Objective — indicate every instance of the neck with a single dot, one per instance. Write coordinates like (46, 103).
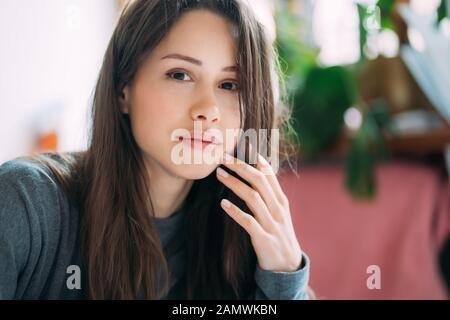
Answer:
(168, 192)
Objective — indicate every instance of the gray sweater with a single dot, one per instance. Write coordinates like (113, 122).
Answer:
(39, 243)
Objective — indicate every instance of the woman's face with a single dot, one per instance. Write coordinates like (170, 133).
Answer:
(189, 81)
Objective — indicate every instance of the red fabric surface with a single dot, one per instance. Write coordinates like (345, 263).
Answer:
(401, 231)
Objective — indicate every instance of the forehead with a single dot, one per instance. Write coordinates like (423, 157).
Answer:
(202, 34)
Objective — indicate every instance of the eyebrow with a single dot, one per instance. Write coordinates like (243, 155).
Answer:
(196, 62)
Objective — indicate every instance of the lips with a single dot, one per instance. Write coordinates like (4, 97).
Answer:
(202, 137)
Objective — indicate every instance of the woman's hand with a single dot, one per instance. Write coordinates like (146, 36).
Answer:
(271, 230)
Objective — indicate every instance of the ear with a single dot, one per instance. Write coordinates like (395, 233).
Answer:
(124, 100)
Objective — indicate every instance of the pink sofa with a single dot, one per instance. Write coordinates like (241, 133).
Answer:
(401, 231)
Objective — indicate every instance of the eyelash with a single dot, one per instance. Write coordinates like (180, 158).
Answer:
(169, 75)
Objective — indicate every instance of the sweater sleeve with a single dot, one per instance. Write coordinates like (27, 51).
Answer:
(28, 228)
(273, 285)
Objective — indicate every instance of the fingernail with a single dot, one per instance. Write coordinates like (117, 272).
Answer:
(222, 172)
(226, 203)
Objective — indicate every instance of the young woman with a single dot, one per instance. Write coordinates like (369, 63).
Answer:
(123, 220)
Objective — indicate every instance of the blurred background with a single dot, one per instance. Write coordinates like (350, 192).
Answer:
(369, 87)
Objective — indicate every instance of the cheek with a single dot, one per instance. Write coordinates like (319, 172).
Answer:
(231, 125)
(157, 99)
(230, 112)
(231, 120)
(152, 115)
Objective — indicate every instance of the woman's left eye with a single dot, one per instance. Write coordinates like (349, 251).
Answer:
(232, 86)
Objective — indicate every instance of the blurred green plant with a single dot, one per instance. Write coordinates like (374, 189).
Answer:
(320, 106)
(366, 149)
(321, 95)
(296, 57)
(442, 12)
(374, 18)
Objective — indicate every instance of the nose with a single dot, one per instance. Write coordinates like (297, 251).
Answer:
(206, 110)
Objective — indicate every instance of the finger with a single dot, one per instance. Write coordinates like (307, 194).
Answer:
(256, 179)
(249, 195)
(264, 166)
(245, 220)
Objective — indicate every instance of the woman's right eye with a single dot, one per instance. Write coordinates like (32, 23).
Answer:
(178, 75)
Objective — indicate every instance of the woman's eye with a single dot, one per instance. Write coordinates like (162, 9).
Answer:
(230, 86)
(178, 75)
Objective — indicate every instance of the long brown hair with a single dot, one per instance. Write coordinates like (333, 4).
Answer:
(108, 184)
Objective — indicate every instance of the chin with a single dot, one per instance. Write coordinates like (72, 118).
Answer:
(194, 171)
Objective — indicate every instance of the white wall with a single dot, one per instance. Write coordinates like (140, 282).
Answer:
(50, 56)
